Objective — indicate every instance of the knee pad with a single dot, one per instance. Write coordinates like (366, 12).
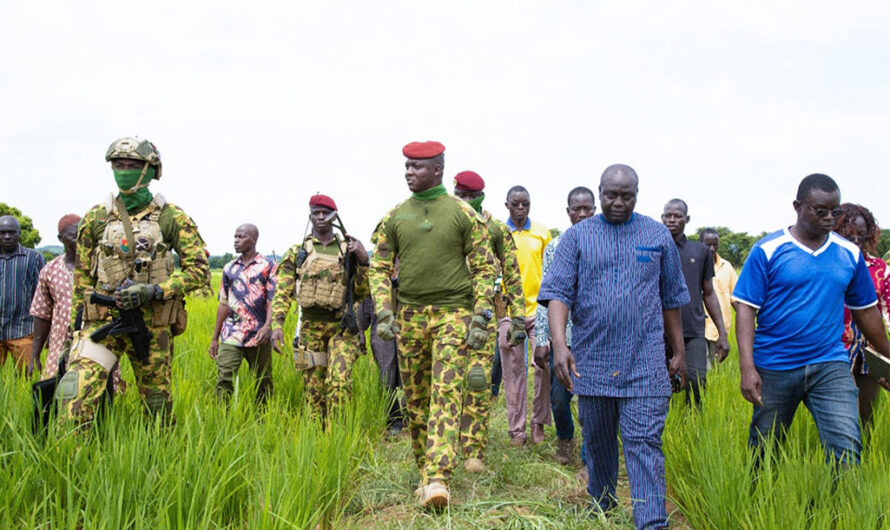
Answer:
(476, 379)
(68, 385)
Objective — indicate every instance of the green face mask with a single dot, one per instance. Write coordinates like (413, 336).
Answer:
(126, 179)
(477, 203)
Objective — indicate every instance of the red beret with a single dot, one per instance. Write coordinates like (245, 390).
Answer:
(68, 220)
(423, 150)
(323, 200)
(469, 181)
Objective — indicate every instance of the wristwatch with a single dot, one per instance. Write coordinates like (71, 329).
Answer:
(159, 293)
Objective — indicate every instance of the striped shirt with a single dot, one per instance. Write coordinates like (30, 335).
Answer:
(617, 279)
(18, 281)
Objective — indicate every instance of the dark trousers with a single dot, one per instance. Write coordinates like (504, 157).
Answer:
(228, 361)
(641, 420)
(497, 373)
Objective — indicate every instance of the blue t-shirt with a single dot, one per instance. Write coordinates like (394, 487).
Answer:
(800, 296)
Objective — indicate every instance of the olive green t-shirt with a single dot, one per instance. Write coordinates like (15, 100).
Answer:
(432, 239)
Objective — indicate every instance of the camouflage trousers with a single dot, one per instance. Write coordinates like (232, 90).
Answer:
(81, 389)
(432, 359)
(477, 403)
(327, 386)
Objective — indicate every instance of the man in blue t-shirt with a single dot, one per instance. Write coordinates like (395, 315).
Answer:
(796, 282)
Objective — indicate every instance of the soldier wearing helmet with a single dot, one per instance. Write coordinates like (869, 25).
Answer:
(125, 250)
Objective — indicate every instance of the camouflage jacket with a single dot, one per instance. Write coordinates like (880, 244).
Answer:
(287, 277)
(508, 265)
(180, 233)
(444, 253)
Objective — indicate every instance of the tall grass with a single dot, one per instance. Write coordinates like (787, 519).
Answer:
(712, 477)
(217, 467)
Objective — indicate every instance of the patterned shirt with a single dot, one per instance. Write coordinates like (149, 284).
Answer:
(617, 279)
(52, 302)
(542, 324)
(247, 290)
(854, 340)
(18, 281)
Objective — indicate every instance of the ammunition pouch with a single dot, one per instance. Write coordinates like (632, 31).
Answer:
(165, 313)
(322, 282)
(306, 359)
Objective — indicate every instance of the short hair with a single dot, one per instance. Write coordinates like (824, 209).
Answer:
(517, 189)
(678, 201)
(816, 181)
(844, 225)
(580, 190)
(706, 231)
(439, 159)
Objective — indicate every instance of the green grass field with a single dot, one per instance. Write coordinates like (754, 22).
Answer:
(240, 468)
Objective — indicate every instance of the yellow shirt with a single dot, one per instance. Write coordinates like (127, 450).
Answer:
(531, 240)
(725, 277)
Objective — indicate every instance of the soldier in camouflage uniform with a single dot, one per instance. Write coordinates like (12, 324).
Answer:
(469, 186)
(444, 300)
(313, 272)
(125, 250)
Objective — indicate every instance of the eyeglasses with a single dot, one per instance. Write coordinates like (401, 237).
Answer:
(823, 212)
(519, 204)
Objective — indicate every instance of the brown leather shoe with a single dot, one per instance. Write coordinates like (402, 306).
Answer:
(564, 450)
(517, 441)
(537, 433)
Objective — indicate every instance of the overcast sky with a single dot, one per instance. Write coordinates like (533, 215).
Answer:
(256, 106)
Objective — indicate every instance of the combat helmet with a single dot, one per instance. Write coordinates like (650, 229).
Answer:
(137, 149)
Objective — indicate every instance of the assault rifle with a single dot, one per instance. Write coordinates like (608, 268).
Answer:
(128, 321)
(348, 321)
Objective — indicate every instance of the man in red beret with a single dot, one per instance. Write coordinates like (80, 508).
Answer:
(508, 302)
(442, 311)
(314, 273)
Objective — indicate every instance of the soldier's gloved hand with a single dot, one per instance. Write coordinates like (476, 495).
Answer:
(477, 333)
(516, 332)
(137, 294)
(387, 327)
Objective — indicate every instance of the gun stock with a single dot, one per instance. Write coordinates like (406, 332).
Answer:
(128, 321)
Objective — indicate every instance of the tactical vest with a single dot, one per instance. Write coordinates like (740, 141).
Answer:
(146, 259)
(322, 279)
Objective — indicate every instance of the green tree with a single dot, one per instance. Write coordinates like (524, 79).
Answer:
(554, 233)
(883, 242)
(734, 246)
(30, 236)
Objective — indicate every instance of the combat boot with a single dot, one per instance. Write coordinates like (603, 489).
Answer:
(474, 465)
(434, 495)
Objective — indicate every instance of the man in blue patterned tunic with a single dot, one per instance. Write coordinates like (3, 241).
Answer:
(619, 274)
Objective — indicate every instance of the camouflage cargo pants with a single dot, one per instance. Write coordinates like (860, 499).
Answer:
(327, 386)
(477, 403)
(432, 359)
(81, 389)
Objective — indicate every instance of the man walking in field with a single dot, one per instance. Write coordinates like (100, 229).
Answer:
(125, 251)
(531, 239)
(51, 306)
(580, 206)
(619, 274)
(796, 282)
(19, 269)
(443, 310)
(698, 271)
(244, 316)
(509, 303)
(314, 273)
(725, 278)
